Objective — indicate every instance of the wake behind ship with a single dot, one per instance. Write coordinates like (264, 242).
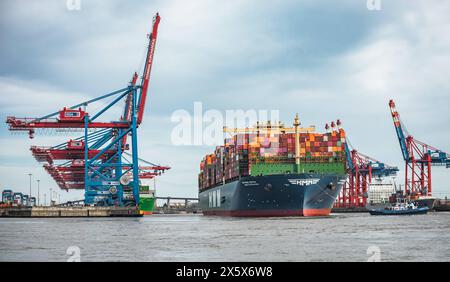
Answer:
(271, 170)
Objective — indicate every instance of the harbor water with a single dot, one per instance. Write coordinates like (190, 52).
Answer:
(339, 237)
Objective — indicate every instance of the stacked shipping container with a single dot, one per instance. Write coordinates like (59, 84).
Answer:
(272, 153)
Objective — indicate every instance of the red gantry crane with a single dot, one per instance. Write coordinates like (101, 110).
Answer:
(419, 158)
(360, 169)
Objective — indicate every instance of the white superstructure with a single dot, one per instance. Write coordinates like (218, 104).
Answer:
(380, 191)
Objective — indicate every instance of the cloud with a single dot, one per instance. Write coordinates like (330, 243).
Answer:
(24, 97)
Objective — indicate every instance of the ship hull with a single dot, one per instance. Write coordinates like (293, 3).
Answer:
(146, 204)
(422, 210)
(273, 195)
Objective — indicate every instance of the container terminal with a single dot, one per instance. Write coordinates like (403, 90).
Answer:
(104, 162)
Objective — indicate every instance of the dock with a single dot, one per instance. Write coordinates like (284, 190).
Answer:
(70, 212)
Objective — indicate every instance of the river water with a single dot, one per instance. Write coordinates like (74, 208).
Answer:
(340, 237)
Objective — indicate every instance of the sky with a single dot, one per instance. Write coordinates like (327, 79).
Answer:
(323, 59)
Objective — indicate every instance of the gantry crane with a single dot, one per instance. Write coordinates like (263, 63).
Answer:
(418, 157)
(95, 161)
(360, 169)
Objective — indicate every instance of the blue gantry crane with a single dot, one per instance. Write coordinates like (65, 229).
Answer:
(95, 161)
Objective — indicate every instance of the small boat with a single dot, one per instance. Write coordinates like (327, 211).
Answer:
(400, 209)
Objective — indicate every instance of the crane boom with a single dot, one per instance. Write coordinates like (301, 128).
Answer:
(148, 68)
(399, 130)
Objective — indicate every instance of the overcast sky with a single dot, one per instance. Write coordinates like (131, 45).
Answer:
(323, 59)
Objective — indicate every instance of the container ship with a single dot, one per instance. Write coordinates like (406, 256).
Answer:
(147, 199)
(272, 170)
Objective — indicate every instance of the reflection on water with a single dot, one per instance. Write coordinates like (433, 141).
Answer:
(341, 237)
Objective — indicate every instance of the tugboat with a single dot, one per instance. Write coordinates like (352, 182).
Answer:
(400, 208)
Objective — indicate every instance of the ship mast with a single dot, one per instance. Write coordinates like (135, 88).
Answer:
(297, 142)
